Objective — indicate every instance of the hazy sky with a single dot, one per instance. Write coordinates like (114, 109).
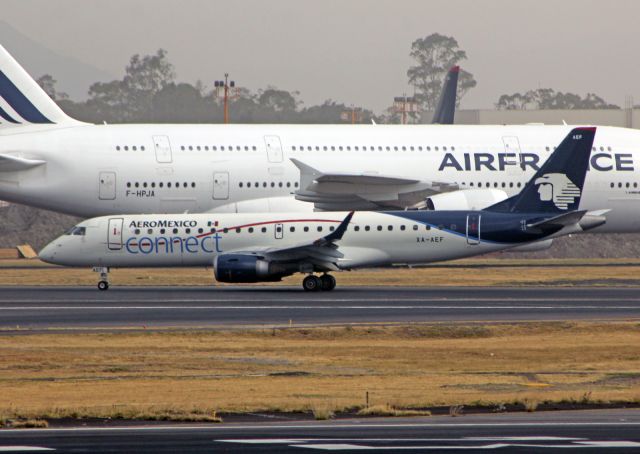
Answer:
(353, 51)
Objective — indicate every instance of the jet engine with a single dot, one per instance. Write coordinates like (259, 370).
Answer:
(249, 268)
(466, 199)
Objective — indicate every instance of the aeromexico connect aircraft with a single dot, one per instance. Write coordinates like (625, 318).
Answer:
(51, 161)
(267, 246)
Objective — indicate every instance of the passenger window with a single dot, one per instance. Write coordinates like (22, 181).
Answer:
(187, 231)
(367, 228)
(319, 228)
(136, 231)
(356, 228)
(264, 230)
(250, 229)
(292, 229)
(390, 228)
(379, 228)
(306, 229)
(175, 231)
(415, 227)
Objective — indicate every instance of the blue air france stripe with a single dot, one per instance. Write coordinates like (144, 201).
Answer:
(6, 116)
(19, 102)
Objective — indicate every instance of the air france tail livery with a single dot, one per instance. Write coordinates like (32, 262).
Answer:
(267, 247)
(51, 161)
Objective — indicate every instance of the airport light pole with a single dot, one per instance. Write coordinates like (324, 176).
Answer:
(405, 105)
(226, 89)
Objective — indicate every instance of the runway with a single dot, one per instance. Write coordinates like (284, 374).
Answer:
(149, 307)
(601, 431)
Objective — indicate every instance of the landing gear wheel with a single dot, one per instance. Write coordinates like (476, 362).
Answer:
(328, 282)
(311, 283)
(103, 285)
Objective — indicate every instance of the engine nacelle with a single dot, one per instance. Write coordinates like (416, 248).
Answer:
(466, 199)
(532, 247)
(235, 268)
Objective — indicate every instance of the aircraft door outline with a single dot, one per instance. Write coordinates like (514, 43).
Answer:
(107, 186)
(514, 165)
(162, 146)
(278, 231)
(221, 185)
(114, 234)
(473, 229)
(274, 148)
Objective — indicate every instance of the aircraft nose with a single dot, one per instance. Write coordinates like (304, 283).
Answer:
(48, 254)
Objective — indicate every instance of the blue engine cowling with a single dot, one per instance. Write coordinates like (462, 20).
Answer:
(235, 268)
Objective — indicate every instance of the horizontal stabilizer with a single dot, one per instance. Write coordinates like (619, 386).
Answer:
(338, 190)
(349, 178)
(561, 220)
(10, 163)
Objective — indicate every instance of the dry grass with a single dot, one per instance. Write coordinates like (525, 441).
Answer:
(189, 375)
(28, 424)
(388, 410)
(469, 272)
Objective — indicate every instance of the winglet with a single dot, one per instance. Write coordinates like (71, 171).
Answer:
(338, 232)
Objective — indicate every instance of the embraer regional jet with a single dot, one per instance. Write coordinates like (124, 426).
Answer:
(267, 247)
(51, 161)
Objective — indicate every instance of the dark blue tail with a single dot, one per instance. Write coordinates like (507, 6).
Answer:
(446, 107)
(557, 186)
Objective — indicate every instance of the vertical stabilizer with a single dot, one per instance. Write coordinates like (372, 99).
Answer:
(22, 101)
(557, 186)
(446, 107)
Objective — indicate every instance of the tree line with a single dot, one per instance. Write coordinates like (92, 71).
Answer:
(149, 93)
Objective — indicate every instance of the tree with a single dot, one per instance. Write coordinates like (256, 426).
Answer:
(548, 98)
(434, 56)
(278, 100)
(48, 84)
(131, 98)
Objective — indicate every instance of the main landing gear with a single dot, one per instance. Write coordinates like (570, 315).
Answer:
(104, 277)
(313, 283)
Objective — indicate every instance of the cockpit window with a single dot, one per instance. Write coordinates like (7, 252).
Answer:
(78, 231)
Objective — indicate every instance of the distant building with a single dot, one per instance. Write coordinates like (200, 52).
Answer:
(626, 118)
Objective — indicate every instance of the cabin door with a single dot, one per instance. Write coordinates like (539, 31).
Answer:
(279, 231)
(163, 149)
(274, 148)
(512, 160)
(221, 185)
(107, 186)
(114, 236)
(473, 229)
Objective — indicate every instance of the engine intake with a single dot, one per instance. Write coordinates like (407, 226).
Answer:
(238, 268)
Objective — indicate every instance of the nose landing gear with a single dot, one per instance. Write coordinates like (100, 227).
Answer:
(104, 277)
(313, 283)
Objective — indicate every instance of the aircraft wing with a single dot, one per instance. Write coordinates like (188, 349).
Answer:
(9, 163)
(335, 191)
(323, 252)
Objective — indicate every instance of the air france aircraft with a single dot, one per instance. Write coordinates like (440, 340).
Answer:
(267, 247)
(51, 161)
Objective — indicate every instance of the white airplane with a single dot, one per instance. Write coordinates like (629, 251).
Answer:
(51, 161)
(267, 247)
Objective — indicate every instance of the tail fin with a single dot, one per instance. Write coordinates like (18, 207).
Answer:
(446, 109)
(557, 186)
(22, 101)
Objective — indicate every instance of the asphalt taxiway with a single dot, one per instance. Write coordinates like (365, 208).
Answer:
(77, 307)
(609, 431)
